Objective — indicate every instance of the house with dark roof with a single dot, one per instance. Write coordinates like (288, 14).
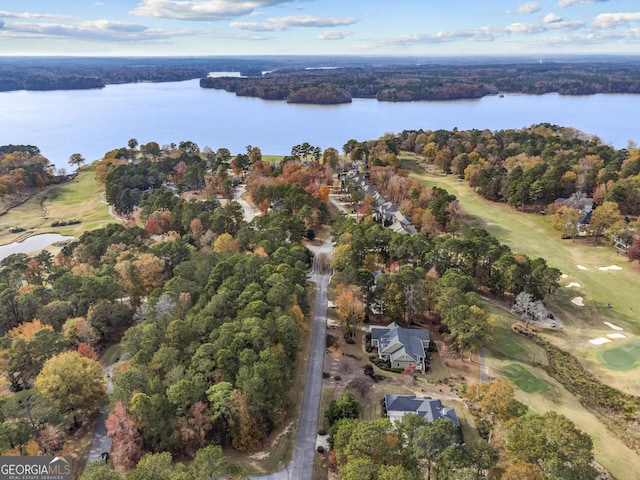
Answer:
(398, 406)
(401, 346)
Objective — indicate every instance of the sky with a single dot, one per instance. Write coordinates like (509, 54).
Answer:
(318, 27)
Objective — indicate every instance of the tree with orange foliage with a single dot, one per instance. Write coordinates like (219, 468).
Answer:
(126, 450)
(522, 471)
(349, 308)
(323, 193)
(85, 350)
(27, 330)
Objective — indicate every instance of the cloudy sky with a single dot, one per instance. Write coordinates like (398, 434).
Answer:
(280, 27)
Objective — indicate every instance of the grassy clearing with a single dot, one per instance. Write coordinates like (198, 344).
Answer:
(81, 198)
(529, 375)
(507, 344)
(110, 354)
(523, 378)
(272, 158)
(623, 357)
(612, 453)
(582, 264)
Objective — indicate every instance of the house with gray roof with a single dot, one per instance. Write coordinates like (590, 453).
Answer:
(398, 406)
(401, 346)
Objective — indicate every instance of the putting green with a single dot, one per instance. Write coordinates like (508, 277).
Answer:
(523, 378)
(622, 357)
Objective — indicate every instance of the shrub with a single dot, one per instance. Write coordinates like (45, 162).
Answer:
(326, 374)
(337, 378)
(320, 449)
(322, 431)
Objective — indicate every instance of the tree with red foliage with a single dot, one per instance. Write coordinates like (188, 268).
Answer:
(85, 350)
(409, 369)
(633, 252)
(152, 227)
(126, 450)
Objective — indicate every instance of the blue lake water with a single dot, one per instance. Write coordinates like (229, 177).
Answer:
(92, 122)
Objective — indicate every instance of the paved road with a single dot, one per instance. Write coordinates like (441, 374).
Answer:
(101, 443)
(301, 467)
(248, 211)
(484, 371)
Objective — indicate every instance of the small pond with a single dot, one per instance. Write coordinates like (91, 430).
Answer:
(32, 244)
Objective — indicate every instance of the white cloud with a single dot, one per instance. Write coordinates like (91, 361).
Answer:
(609, 20)
(578, 42)
(486, 33)
(529, 7)
(311, 21)
(278, 24)
(258, 27)
(334, 35)
(32, 16)
(552, 18)
(98, 30)
(201, 9)
(570, 3)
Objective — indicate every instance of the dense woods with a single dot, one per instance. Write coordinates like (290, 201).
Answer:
(209, 318)
(590, 188)
(209, 310)
(432, 81)
(51, 73)
(23, 169)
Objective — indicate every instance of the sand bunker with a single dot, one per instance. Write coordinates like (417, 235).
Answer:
(599, 340)
(573, 284)
(611, 267)
(578, 301)
(612, 326)
(582, 267)
(616, 335)
(564, 275)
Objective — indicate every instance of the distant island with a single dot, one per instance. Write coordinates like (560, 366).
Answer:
(408, 83)
(335, 80)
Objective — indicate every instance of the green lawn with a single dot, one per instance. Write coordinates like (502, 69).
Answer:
(582, 265)
(623, 357)
(82, 198)
(524, 379)
(533, 235)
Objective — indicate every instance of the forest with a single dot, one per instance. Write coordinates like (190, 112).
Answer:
(544, 169)
(210, 310)
(432, 81)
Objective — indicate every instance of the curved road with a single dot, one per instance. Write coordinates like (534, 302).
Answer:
(246, 208)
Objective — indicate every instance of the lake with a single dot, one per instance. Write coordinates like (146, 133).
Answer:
(32, 244)
(92, 122)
